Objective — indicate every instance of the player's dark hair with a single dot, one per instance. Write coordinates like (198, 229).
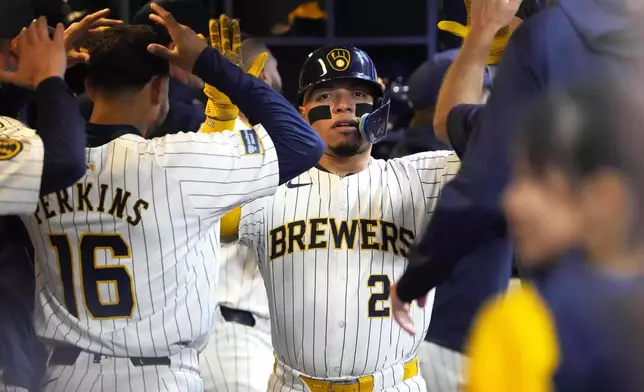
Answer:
(120, 61)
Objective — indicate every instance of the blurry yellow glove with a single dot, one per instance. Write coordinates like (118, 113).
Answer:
(498, 44)
(513, 345)
(225, 36)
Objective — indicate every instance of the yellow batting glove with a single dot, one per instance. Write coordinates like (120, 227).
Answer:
(498, 44)
(225, 36)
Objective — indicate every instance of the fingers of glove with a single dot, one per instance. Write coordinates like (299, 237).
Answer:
(258, 63)
(224, 31)
(454, 27)
(215, 39)
(236, 38)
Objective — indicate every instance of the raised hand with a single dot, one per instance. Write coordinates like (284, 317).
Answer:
(77, 34)
(187, 44)
(39, 57)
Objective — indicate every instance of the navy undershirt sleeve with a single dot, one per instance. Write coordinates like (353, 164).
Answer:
(62, 130)
(461, 121)
(297, 145)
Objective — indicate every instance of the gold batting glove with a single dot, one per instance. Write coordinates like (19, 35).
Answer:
(225, 36)
(498, 44)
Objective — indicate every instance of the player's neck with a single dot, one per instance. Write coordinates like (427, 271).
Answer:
(117, 113)
(343, 166)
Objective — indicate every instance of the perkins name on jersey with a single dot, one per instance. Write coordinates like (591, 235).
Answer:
(311, 234)
(89, 197)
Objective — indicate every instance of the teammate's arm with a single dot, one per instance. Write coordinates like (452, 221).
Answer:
(469, 207)
(221, 170)
(297, 145)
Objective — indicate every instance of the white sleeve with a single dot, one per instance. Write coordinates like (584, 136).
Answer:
(21, 164)
(435, 169)
(218, 171)
(252, 226)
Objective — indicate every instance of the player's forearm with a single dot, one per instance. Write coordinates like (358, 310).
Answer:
(297, 145)
(62, 131)
(463, 82)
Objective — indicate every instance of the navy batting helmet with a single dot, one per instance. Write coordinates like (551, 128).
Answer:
(337, 62)
(346, 62)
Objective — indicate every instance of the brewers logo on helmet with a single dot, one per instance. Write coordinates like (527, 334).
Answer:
(346, 62)
(339, 59)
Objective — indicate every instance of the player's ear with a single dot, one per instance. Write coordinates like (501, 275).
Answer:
(90, 90)
(302, 111)
(158, 89)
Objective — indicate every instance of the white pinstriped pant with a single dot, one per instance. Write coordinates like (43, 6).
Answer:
(119, 374)
(443, 369)
(286, 379)
(238, 358)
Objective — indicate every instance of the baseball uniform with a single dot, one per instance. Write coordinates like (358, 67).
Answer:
(126, 257)
(329, 249)
(239, 354)
(21, 163)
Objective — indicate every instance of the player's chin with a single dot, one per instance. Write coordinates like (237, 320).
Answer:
(347, 148)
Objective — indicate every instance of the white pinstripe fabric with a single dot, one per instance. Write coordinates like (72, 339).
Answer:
(238, 358)
(20, 174)
(443, 369)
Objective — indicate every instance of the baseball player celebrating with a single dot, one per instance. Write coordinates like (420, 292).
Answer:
(127, 257)
(239, 356)
(331, 242)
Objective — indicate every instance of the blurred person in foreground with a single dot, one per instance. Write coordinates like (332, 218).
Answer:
(577, 186)
(239, 354)
(571, 41)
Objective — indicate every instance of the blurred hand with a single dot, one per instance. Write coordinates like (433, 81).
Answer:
(402, 311)
(39, 57)
(78, 33)
(187, 44)
(492, 15)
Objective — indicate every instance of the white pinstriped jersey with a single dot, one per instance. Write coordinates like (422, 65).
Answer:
(329, 250)
(240, 282)
(21, 164)
(126, 258)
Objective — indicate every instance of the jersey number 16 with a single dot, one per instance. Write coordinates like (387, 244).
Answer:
(92, 275)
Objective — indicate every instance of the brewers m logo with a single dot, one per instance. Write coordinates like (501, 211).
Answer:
(9, 148)
(339, 59)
